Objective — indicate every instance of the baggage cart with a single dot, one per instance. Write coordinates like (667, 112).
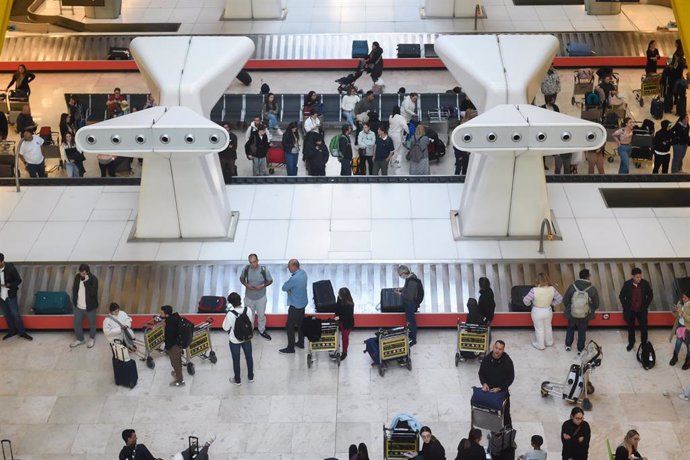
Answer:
(583, 83)
(154, 340)
(329, 341)
(650, 85)
(200, 346)
(394, 344)
(577, 386)
(275, 157)
(472, 338)
(486, 418)
(642, 150)
(398, 441)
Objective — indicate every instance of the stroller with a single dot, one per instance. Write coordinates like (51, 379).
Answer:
(346, 82)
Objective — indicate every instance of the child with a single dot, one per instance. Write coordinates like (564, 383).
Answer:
(536, 453)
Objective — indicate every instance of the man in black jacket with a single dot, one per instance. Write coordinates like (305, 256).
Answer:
(132, 450)
(172, 326)
(345, 149)
(9, 286)
(228, 157)
(496, 373)
(635, 296)
(85, 300)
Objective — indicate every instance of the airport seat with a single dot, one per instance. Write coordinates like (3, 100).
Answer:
(290, 108)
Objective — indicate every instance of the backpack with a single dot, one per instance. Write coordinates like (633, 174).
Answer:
(646, 355)
(245, 273)
(265, 89)
(243, 329)
(419, 297)
(580, 303)
(592, 99)
(185, 332)
(334, 146)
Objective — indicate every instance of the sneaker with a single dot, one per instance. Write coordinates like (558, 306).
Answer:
(26, 336)
(76, 343)
(286, 351)
(177, 383)
(567, 348)
(9, 335)
(91, 342)
(279, 131)
(684, 397)
(343, 356)
(236, 382)
(413, 343)
(211, 438)
(630, 346)
(300, 345)
(265, 335)
(251, 379)
(333, 355)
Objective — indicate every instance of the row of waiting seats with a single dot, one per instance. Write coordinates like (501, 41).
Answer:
(242, 108)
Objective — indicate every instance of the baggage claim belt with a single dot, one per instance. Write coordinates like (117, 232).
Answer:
(154, 337)
(200, 343)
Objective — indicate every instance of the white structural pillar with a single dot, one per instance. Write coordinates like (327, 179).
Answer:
(505, 194)
(182, 193)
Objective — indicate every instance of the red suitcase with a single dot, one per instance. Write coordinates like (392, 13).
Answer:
(275, 156)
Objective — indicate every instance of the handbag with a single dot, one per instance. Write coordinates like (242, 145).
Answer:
(120, 351)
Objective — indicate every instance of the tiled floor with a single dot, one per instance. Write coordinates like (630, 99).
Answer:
(64, 405)
(355, 16)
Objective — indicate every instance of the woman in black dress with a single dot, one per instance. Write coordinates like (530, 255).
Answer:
(652, 58)
(487, 304)
(575, 436)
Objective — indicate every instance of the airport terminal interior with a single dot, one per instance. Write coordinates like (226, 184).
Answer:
(180, 230)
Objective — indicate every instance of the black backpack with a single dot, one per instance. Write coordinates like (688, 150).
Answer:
(185, 332)
(646, 355)
(244, 329)
(419, 297)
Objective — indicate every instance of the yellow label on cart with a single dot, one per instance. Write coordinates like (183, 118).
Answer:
(154, 337)
(201, 342)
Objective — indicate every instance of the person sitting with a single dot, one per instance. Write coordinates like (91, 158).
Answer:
(115, 104)
(470, 447)
(431, 447)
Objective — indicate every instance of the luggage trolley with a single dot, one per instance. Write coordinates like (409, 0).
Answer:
(472, 338)
(394, 344)
(583, 84)
(577, 386)
(487, 417)
(650, 85)
(200, 346)
(154, 339)
(398, 441)
(329, 341)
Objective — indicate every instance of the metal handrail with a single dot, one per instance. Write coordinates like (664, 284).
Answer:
(546, 223)
(477, 13)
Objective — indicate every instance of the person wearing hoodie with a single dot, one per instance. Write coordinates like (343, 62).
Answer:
(118, 325)
(681, 140)
(680, 331)
(578, 298)
(663, 139)
(172, 330)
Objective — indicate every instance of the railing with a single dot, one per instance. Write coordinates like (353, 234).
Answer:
(545, 224)
(477, 14)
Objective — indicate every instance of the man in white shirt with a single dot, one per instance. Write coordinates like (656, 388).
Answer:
(236, 344)
(312, 123)
(31, 155)
(408, 108)
(118, 326)
(9, 285)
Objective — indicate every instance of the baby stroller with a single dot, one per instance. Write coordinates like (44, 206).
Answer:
(577, 386)
(346, 82)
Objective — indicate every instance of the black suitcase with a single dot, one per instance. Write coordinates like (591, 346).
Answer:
(680, 286)
(517, 293)
(430, 51)
(125, 372)
(360, 49)
(409, 50)
(391, 301)
(244, 77)
(324, 297)
(212, 304)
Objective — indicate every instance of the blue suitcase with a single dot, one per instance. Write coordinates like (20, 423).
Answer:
(52, 303)
(372, 347)
(579, 49)
(126, 373)
(360, 49)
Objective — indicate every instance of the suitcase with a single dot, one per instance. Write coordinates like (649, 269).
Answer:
(371, 346)
(680, 286)
(52, 303)
(430, 51)
(502, 442)
(409, 50)
(360, 49)
(275, 154)
(311, 328)
(391, 301)
(213, 304)
(244, 77)
(578, 49)
(324, 297)
(517, 293)
(126, 374)
(46, 134)
(117, 53)
(656, 108)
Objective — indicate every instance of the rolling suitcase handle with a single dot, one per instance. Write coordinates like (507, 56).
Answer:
(9, 445)
(193, 447)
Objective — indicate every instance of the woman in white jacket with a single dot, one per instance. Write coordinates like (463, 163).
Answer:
(541, 298)
(117, 324)
(347, 105)
(397, 130)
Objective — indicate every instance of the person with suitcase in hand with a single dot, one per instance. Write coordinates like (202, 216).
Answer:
(85, 300)
(412, 294)
(132, 450)
(497, 373)
(256, 278)
(635, 296)
(581, 300)
(239, 324)
(172, 329)
(9, 286)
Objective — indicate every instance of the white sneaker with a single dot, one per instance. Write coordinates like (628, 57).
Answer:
(90, 343)
(684, 397)
(279, 132)
(211, 438)
(76, 343)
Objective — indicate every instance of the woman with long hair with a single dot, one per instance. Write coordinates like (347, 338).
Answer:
(270, 111)
(623, 137)
(575, 436)
(345, 314)
(628, 448)
(419, 153)
(431, 447)
(72, 158)
(66, 125)
(21, 79)
(652, 58)
(291, 147)
(470, 447)
(541, 298)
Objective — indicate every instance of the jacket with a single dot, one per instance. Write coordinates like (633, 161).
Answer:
(593, 298)
(346, 313)
(91, 291)
(345, 146)
(497, 372)
(290, 139)
(262, 144)
(474, 452)
(364, 105)
(487, 304)
(680, 134)
(172, 326)
(12, 280)
(685, 313)
(572, 448)
(24, 84)
(662, 140)
(316, 156)
(409, 290)
(230, 152)
(625, 295)
(142, 453)
(433, 450)
(408, 108)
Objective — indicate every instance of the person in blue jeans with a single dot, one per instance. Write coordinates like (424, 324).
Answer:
(297, 299)
(623, 137)
(291, 148)
(236, 345)
(9, 286)
(410, 296)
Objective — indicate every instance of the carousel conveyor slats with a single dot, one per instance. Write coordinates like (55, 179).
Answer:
(72, 47)
(142, 287)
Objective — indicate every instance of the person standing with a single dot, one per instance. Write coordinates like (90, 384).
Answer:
(9, 287)
(85, 300)
(680, 330)
(118, 326)
(497, 373)
(486, 302)
(291, 148)
(72, 157)
(383, 152)
(635, 296)
(581, 301)
(256, 278)
(551, 84)
(681, 140)
(575, 436)
(652, 58)
(31, 155)
(345, 315)
(623, 137)
(397, 130)
(316, 154)
(345, 149)
(419, 153)
(374, 62)
(238, 343)
(228, 157)
(408, 108)
(542, 297)
(663, 139)
(366, 141)
(412, 294)
(297, 299)
(172, 332)
(258, 149)
(21, 79)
